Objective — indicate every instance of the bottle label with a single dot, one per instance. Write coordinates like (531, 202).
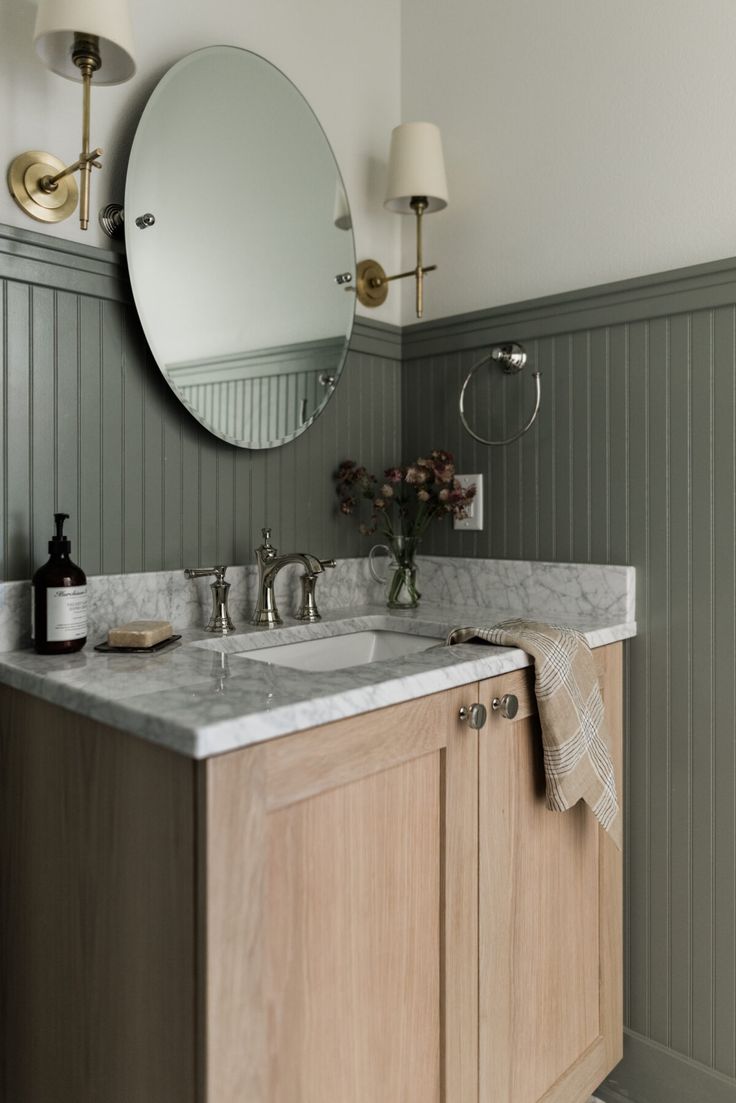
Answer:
(66, 613)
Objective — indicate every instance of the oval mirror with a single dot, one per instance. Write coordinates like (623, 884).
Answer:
(240, 246)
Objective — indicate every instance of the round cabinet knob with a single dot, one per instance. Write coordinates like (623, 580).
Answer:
(476, 715)
(508, 705)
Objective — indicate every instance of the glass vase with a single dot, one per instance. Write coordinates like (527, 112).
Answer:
(402, 575)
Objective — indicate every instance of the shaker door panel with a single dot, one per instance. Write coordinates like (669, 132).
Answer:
(361, 967)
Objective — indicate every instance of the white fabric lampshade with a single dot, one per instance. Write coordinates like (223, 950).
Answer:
(58, 20)
(416, 167)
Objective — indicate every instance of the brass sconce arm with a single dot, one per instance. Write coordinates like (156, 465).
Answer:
(86, 57)
(372, 281)
(48, 183)
(40, 183)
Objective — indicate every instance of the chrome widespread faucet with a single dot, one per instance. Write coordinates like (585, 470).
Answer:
(269, 564)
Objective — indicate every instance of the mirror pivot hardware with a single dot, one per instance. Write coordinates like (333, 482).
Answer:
(112, 220)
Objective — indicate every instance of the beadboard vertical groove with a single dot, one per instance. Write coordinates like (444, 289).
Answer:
(90, 427)
(632, 460)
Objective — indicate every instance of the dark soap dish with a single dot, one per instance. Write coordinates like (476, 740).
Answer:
(109, 650)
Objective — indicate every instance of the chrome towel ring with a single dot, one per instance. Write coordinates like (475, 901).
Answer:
(512, 358)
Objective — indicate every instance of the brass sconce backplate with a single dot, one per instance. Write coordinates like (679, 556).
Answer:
(25, 175)
(371, 283)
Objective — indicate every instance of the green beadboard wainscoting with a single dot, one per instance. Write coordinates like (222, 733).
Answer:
(89, 426)
(632, 460)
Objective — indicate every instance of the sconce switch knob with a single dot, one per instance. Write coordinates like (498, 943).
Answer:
(344, 277)
(143, 221)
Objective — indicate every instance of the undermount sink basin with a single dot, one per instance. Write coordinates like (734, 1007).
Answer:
(338, 652)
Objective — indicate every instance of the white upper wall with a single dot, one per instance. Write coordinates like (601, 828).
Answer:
(343, 56)
(585, 141)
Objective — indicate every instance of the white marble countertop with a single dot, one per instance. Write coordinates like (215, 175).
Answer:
(200, 699)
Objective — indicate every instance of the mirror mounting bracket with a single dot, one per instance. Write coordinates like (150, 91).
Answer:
(112, 221)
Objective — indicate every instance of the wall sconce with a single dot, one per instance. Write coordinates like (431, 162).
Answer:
(416, 185)
(74, 38)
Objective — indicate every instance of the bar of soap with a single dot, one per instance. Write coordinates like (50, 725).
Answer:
(139, 633)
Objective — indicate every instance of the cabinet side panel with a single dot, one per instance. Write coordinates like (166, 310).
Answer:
(97, 923)
(352, 941)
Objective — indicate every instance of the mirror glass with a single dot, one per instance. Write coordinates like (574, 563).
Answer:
(236, 274)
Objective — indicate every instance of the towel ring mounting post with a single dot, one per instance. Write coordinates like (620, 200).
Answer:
(512, 357)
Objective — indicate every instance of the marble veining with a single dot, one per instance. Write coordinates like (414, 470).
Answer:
(168, 595)
(200, 698)
(514, 586)
(510, 587)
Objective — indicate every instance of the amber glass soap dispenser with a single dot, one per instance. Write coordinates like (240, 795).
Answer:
(59, 599)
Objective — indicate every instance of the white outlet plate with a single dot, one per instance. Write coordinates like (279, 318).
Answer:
(474, 521)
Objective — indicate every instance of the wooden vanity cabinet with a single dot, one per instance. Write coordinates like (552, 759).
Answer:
(379, 910)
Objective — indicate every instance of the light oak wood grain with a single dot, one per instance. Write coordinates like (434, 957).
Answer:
(335, 754)
(611, 869)
(352, 941)
(232, 882)
(459, 907)
(574, 1085)
(380, 909)
(97, 924)
(550, 917)
(350, 944)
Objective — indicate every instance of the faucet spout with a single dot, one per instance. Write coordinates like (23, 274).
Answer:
(269, 564)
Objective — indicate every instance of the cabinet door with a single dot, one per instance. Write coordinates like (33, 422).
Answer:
(550, 915)
(340, 949)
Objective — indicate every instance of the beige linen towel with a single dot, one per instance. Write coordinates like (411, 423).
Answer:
(577, 757)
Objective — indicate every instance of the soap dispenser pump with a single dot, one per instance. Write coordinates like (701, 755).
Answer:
(59, 618)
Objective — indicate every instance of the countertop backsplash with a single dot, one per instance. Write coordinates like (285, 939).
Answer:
(511, 587)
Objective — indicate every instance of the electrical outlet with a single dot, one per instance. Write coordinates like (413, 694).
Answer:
(474, 520)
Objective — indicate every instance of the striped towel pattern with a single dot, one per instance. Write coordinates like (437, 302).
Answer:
(577, 758)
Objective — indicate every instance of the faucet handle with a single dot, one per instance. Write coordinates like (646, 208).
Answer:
(269, 551)
(202, 572)
(308, 609)
(220, 618)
